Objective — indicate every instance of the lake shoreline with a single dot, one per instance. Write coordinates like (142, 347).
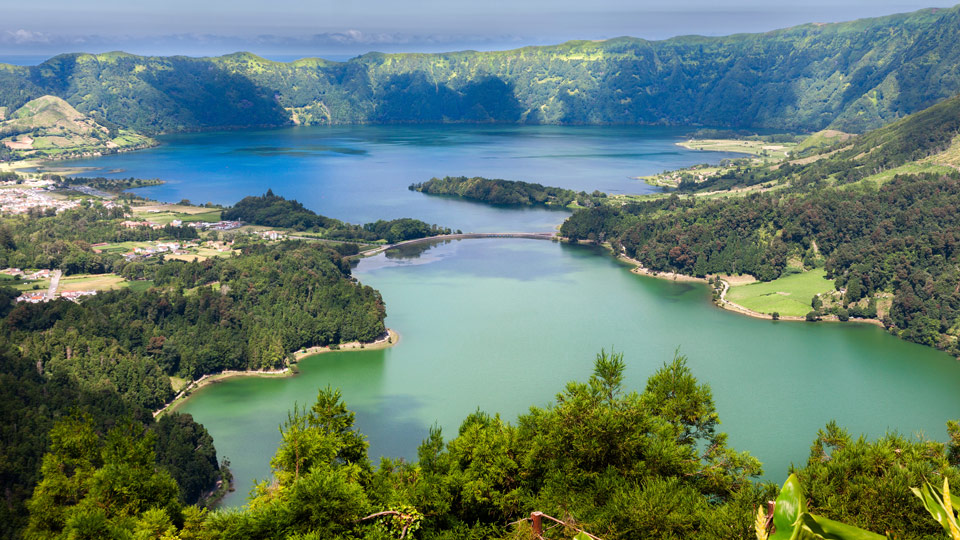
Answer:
(722, 302)
(388, 339)
(40, 162)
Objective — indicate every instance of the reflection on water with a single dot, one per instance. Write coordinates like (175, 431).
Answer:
(360, 174)
(504, 324)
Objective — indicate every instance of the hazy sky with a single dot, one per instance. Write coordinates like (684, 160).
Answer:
(347, 27)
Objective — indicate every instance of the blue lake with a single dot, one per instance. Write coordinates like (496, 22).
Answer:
(361, 174)
(502, 324)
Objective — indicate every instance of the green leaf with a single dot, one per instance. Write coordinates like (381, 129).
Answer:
(582, 536)
(933, 501)
(790, 504)
(820, 528)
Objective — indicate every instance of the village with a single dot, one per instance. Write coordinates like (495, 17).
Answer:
(38, 196)
(45, 285)
(23, 195)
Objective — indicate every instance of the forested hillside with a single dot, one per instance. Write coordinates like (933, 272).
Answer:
(275, 211)
(113, 356)
(880, 212)
(617, 463)
(852, 76)
(506, 192)
(49, 127)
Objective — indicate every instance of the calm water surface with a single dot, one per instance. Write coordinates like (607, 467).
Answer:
(501, 325)
(361, 174)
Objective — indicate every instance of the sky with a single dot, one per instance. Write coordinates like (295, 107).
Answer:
(285, 29)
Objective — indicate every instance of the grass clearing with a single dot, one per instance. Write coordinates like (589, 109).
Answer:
(914, 167)
(30, 286)
(123, 247)
(178, 383)
(139, 285)
(91, 282)
(757, 148)
(789, 295)
(163, 218)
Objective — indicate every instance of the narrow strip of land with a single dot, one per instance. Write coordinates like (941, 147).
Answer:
(460, 236)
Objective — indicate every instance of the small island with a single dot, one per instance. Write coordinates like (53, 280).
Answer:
(508, 192)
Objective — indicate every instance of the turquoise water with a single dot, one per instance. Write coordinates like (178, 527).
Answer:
(361, 174)
(501, 325)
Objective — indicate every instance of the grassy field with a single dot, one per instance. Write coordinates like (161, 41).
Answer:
(200, 254)
(24, 286)
(789, 296)
(91, 282)
(210, 216)
(165, 213)
(755, 148)
(822, 139)
(914, 167)
(27, 286)
(139, 285)
(123, 247)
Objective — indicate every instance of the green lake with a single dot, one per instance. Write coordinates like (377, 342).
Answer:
(501, 325)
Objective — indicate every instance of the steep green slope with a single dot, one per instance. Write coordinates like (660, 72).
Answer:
(849, 76)
(49, 126)
(863, 211)
(924, 142)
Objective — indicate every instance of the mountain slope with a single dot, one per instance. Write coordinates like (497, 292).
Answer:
(879, 212)
(49, 126)
(849, 76)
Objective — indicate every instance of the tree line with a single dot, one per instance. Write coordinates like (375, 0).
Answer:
(506, 192)
(617, 463)
(272, 210)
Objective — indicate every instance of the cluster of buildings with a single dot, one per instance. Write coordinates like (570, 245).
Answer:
(201, 225)
(17, 200)
(16, 272)
(156, 249)
(272, 235)
(218, 226)
(35, 297)
(136, 224)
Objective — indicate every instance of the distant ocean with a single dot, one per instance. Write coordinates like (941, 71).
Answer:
(24, 59)
(293, 57)
(34, 59)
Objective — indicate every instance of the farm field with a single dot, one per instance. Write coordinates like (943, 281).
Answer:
(789, 295)
(91, 282)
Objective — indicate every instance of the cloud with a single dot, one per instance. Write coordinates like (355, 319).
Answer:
(23, 37)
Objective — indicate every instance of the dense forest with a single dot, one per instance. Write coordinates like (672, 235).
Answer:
(901, 238)
(275, 211)
(110, 358)
(852, 76)
(874, 235)
(619, 464)
(32, 402)
(243, 312)
(506, 192)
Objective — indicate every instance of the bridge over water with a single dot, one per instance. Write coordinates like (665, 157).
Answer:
(530, 235)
